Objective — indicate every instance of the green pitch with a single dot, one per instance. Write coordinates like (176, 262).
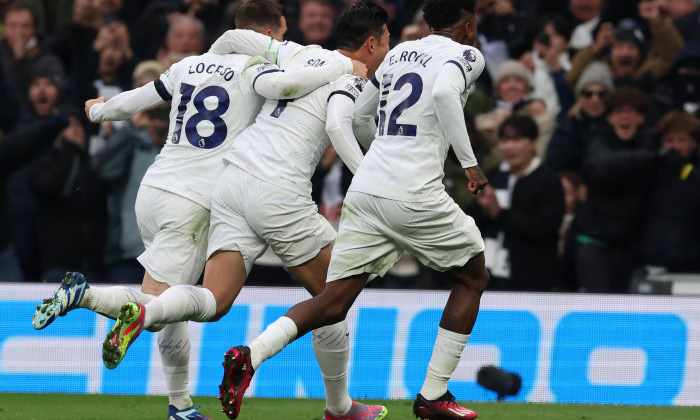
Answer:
(116, 407)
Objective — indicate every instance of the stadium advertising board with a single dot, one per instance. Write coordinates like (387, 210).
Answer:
(604, 349)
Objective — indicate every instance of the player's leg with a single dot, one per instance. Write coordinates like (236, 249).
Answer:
(74, 292)
(458, 245)
(347, 276)
(331, 343)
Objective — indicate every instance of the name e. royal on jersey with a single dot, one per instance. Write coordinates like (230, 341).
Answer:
(226, 72)
(413, 56)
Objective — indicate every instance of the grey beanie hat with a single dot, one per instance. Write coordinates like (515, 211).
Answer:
(512, 68)
(595, 73)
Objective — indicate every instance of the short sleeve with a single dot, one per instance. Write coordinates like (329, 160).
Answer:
(471, 63)
(165, 84)
(256, 67)
(348, 85)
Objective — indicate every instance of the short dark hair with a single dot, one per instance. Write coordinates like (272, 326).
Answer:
(359, 21)
(626, 96)
(678, 121)
(19, 7)
(259, 13)
(518, 126)
(439, 14)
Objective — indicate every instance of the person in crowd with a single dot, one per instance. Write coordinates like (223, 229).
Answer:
(671, 233)
(21, 54)
(587, 14)
(686, 17)
(614, 168)
(549, 61)
(72, 204)
(631, 60)
(17, 147)
(122, 163)
(22, 208)
(502, 31)
(575, 192)
(316, 24)
(104, 68)
(185, 38)
(520, 212)
(513, 85)
(78, 35)
(574, 133)
(681, 87)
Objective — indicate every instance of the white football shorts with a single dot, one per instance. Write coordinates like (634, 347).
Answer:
(174, 230)
(375, 231)
(249, 214)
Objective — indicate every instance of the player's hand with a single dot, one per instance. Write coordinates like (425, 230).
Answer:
(359, 69)
(90, 102)
(477, 179)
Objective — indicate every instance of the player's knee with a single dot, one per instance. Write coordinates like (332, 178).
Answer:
(221, 311)
(337, 311)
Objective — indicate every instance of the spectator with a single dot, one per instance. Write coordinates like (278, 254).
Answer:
(681, 89)
(78, 35)
(22, 206)
(631, 62)
(185, 37)
(520, 212)
(21, 56)
(610, 220)
(575, 192)
(587, 14)
(513, 85)
(502, 31)
(17, 147)
(316, 24)
(71, 205)
(551, 59)
(121, 164)
(671, 234)
(573, 135)
(415, 30)
(686, 17)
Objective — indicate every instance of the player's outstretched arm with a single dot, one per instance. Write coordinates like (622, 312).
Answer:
(363, 124)
(339, 118)
(124, 105)
(245, 41)
(271, 82)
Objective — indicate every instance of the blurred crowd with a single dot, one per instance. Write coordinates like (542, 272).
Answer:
(585, 121)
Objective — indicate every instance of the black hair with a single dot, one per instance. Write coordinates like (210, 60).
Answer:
(259, 13)
(518, 126)
(359, 21)
(439, 14)
(626, 96)
(560, 24)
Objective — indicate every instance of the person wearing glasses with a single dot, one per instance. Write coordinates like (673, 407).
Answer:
(573, 135)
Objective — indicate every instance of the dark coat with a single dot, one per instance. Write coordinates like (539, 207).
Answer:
(72, 207)
(617, 174)
(570, 142)
(530, 226)
(671, 234)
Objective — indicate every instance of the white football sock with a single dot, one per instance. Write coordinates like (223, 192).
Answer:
(107, 301)
(332, 349)
(174, 347)
(181, 303)
(446, 354)
(275, 337)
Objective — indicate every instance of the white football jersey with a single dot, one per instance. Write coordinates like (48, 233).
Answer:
(286, 142)
(406, 159)
(211, 104)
